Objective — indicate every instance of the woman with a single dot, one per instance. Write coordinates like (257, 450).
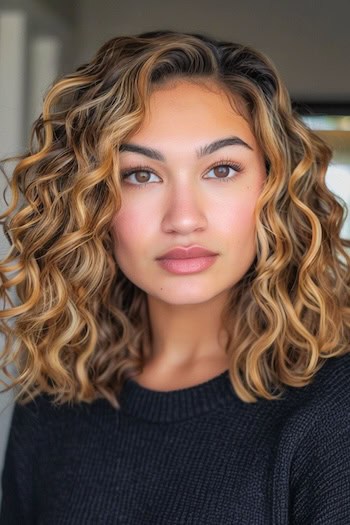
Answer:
(183, 335)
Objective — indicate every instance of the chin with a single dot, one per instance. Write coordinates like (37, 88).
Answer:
(184, 296)
(184, 301)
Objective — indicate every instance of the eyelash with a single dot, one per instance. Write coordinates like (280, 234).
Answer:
(226, 163)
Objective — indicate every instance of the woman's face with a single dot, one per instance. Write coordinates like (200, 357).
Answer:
(180, 199)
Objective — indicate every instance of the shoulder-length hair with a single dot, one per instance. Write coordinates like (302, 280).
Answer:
(78, 332)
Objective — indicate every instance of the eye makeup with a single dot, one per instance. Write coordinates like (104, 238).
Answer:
(236, 166)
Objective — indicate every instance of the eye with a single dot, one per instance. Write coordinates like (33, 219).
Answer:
(140, 175)
(222, 171)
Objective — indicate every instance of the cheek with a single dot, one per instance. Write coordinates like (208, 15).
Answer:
(237, 219)
(129, 228)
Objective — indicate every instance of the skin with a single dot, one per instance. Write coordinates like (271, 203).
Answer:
(186, 203)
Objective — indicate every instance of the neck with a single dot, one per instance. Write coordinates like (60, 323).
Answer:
(183, 334)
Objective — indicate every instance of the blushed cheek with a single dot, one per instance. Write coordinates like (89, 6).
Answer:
(240, 222)
(242, 216)
(128, 230)
(122, 230)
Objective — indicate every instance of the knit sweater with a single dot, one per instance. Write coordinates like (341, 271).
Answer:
(196, 455)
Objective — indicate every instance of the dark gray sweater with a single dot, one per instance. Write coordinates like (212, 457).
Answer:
(193, 456)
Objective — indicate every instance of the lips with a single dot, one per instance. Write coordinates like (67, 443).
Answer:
(182, 252)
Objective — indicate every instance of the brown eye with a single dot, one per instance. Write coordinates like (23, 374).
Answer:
(139, 177)
(221, 171)
(142, 176)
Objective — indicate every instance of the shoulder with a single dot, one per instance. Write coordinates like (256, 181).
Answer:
(334, 376)
(26, 416)
(320, 464)
(41, 413)
(312, 453)
(40, 426)
(328, 391)
(327, 394)
(314, 416)
(324, 404)
(315, 434)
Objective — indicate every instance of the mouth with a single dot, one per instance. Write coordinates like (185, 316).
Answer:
(187, 252)
(187, 265)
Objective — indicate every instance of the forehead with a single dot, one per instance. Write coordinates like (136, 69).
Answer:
(188, 94)
(186, 106)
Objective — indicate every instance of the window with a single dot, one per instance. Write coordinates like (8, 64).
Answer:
(335, 130)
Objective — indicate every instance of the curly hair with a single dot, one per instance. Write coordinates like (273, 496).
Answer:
(79, 329)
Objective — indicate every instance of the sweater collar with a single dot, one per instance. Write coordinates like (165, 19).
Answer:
(175, 405)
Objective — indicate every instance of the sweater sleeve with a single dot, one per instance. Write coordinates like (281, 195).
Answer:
(320, 483)
(17, 505)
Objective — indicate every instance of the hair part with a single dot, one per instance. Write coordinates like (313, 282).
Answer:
(78, 333)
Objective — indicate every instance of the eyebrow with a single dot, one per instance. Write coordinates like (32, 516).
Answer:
(201, 152)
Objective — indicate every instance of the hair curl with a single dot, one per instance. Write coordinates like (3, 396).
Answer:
(81, 322)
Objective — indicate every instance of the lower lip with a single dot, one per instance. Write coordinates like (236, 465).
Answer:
(183, 266)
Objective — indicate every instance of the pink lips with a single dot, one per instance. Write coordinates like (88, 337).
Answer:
(183, 260)
(186, 253)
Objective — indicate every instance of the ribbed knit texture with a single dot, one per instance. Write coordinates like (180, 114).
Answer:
(198, 455)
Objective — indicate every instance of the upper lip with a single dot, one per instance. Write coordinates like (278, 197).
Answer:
(182, 252)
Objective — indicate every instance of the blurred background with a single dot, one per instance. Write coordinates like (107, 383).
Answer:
(308, 40)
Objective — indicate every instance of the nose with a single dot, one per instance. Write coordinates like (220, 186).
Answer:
(185, 209)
